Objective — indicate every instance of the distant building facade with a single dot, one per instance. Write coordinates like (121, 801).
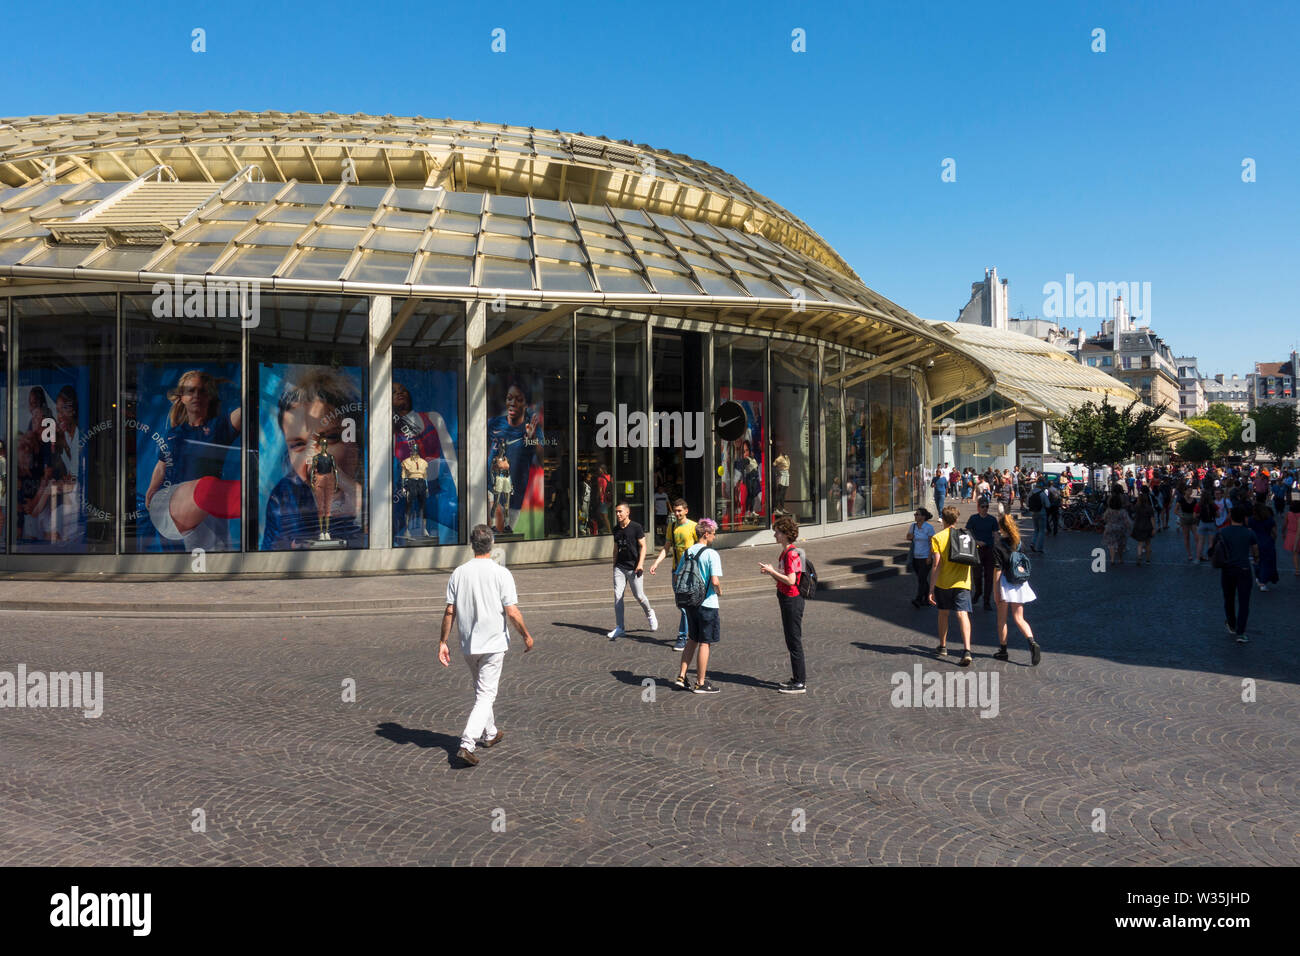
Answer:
(1274, 383)
(988, 302)
(1231, 390)
(1191, 388)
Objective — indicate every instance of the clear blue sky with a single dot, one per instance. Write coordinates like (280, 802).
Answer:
(1115, 166)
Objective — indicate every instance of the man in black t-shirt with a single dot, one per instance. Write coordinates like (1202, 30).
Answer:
(983, 526)
(629, 561)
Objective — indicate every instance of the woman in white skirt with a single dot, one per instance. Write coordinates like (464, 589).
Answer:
(1011, 596)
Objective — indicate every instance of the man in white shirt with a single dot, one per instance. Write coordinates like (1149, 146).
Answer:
(481, 599)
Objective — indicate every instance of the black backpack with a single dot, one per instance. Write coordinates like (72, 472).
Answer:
(961, 547)
(807, 577)
(1036, 501)
(1018, 566)
(690, 587)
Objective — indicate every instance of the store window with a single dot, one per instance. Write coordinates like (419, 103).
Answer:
(428, 398)
(903, 456)
(857, 434)
(65, 495)
(739, 369)
(528, 443)
(182, 411)
(833, 414)
(308, 423)
(794, 432)
(614, 430)
(4, 425)
(881, 446)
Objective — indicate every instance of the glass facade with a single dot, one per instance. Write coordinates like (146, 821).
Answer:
(132, 424)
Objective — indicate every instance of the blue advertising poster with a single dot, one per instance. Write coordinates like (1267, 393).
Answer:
(426, 420)
(51, 437)
(303, 498)
(187, 458)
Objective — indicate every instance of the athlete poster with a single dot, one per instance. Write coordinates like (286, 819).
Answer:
(297, 404)
(426, 417)
(53, 442)
(743, 463)
(517, 445)
(186, 426)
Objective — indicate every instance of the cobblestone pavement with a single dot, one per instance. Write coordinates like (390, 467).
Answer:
(226, 697)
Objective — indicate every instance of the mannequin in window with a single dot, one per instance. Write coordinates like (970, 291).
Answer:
(322, 475)
(415, 471)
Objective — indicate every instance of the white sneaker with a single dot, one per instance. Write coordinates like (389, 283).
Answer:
(654, 622)
(615, 634)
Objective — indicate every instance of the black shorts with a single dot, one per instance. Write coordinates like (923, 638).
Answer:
(953, 599)
(703, 624)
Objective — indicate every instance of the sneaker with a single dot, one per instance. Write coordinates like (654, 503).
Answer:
(501, 734)
(1035, 653)
(1002, 654)
(1263, 587)
(1229, 628)
(966, 660)
(705, 687)
(941, 652)
(680, 645)
(616, 634)
(791, 687)
(1242, 639)
(916, 602)
(467, 757)
(682, 682)
(654, 622)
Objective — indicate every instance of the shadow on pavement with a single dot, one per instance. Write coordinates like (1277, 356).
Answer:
(427, 739)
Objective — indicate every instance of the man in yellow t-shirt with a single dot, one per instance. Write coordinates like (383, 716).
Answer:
(950, 585)
(681, 535)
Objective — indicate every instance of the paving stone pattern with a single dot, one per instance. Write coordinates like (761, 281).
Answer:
(233, 704)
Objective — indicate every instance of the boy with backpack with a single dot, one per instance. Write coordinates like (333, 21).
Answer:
(789, 574)
(696, 589)
(954, 554)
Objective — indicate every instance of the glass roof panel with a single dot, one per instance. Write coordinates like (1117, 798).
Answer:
(11, 252)
(619, 280)
(506, 273)
(321, 264)
(451, 243)
(611, 243)
(334, 237)
(564, 276)
(556, 230)
(445, 270)
(554, 249)
(618, 260)
(506, 225)
(210, 232)
(459, 222)
(274, 234)
(191, 259)
(633, 216)
(231, 212)
(254, 192)
(598, 229)
(348, 217)
(309, 194)
(763, 288)
(463, 202)
(662, 262)
(552, 209)
(715, 283)
(669, 283)
(668, 223)
(396, 219)
(282, 213)
(595, 213)
(703, 229)
(60, 257)
(124, 259)
(415, 199)
(362, 197)
(254, 261)
(507, 246)
(42, 195)
(381, 267)
(395, 240)
(643, 232)
(508, 205)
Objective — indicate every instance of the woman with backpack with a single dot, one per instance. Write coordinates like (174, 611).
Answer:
(789, 599)
(1261, 522)
(1011, 585)
(1117, 524)
(1144, 527)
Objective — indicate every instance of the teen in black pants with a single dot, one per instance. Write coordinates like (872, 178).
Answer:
(919, 535)
(786, 575)
(1236, 577)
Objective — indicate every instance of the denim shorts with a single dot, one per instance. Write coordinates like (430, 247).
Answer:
(1206, 527)
(704, 625)
(953, 599)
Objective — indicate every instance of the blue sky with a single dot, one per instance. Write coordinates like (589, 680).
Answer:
(1115, 166)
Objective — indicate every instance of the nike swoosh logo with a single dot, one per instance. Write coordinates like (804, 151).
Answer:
(728, 421)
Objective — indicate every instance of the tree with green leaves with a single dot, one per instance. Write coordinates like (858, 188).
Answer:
(1196, 448)
(1276, 429)
(1224, 416)
(1107, 434)
(1210, 430)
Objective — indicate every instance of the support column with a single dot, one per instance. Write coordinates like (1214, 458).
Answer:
(475, 495)
(381, 427)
